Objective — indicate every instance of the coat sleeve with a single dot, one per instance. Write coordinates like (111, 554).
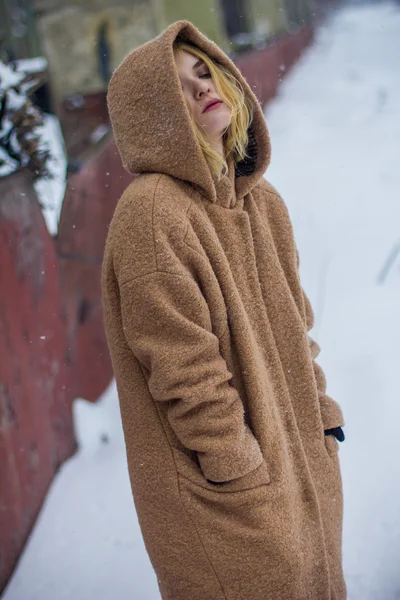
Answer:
(331, 412)
(167, 325)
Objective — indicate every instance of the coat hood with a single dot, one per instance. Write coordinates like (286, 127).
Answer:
(151, 121)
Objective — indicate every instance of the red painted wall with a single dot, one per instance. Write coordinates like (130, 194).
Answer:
(265, 68)
(36, 433)
(52, 343)
(88, 206)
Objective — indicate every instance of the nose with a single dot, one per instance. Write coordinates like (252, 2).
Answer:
(202, 88)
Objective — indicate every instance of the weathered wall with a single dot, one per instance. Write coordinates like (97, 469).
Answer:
(88, 206)
(80, 121)
(205, 15)
(265, 68)
(70, 41)
(36, 433)
(267, 18)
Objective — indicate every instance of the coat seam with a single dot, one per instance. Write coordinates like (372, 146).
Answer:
(189, 246)
(225, 331)
(157, 270)
(189, 208)
(187, 228)
(198, 534)
(179, 488)
(152, 220)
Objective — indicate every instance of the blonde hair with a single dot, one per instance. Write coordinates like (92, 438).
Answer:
(235, 136)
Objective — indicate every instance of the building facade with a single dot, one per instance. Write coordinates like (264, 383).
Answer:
(85, 40)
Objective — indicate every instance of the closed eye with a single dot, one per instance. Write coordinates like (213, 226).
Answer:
(201, 76)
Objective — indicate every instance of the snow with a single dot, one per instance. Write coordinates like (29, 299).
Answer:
(31, 65)
(7, 164)
(335, 129)
(8, 77)
(14, 102)
(99, 133)
(51, 191)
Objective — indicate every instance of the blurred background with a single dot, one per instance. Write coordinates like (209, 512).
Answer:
(327, 74)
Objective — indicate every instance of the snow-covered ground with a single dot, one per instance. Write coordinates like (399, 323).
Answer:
(335, 130)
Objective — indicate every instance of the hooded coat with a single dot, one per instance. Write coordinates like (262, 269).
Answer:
(238, 491)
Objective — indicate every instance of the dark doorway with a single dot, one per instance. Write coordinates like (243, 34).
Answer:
(104, 52)
(235, 17)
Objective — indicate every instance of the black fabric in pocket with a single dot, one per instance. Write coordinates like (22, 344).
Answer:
(337, 432)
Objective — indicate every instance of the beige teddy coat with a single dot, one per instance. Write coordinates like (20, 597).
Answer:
(207, 327)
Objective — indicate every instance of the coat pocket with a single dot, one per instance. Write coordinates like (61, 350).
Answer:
(189, 469)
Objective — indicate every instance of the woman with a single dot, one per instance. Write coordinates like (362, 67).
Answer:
(236, 483)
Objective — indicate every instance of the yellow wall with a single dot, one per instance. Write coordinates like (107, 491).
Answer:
(69, 37)
(267, 17)
(205, 15)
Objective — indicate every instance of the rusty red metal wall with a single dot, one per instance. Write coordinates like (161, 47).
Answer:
(80, 116)
(36, 433)
(52, 343)
(88, 206)
(265, 68)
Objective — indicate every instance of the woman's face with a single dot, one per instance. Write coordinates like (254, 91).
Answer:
(199, 90)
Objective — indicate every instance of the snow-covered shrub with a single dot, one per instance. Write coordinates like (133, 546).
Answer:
(20, 141)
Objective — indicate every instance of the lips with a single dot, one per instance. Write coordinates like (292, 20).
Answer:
(212, 103)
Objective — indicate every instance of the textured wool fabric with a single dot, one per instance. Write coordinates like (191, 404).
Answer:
(207, 326)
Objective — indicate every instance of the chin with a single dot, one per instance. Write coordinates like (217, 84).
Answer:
(219, 124)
